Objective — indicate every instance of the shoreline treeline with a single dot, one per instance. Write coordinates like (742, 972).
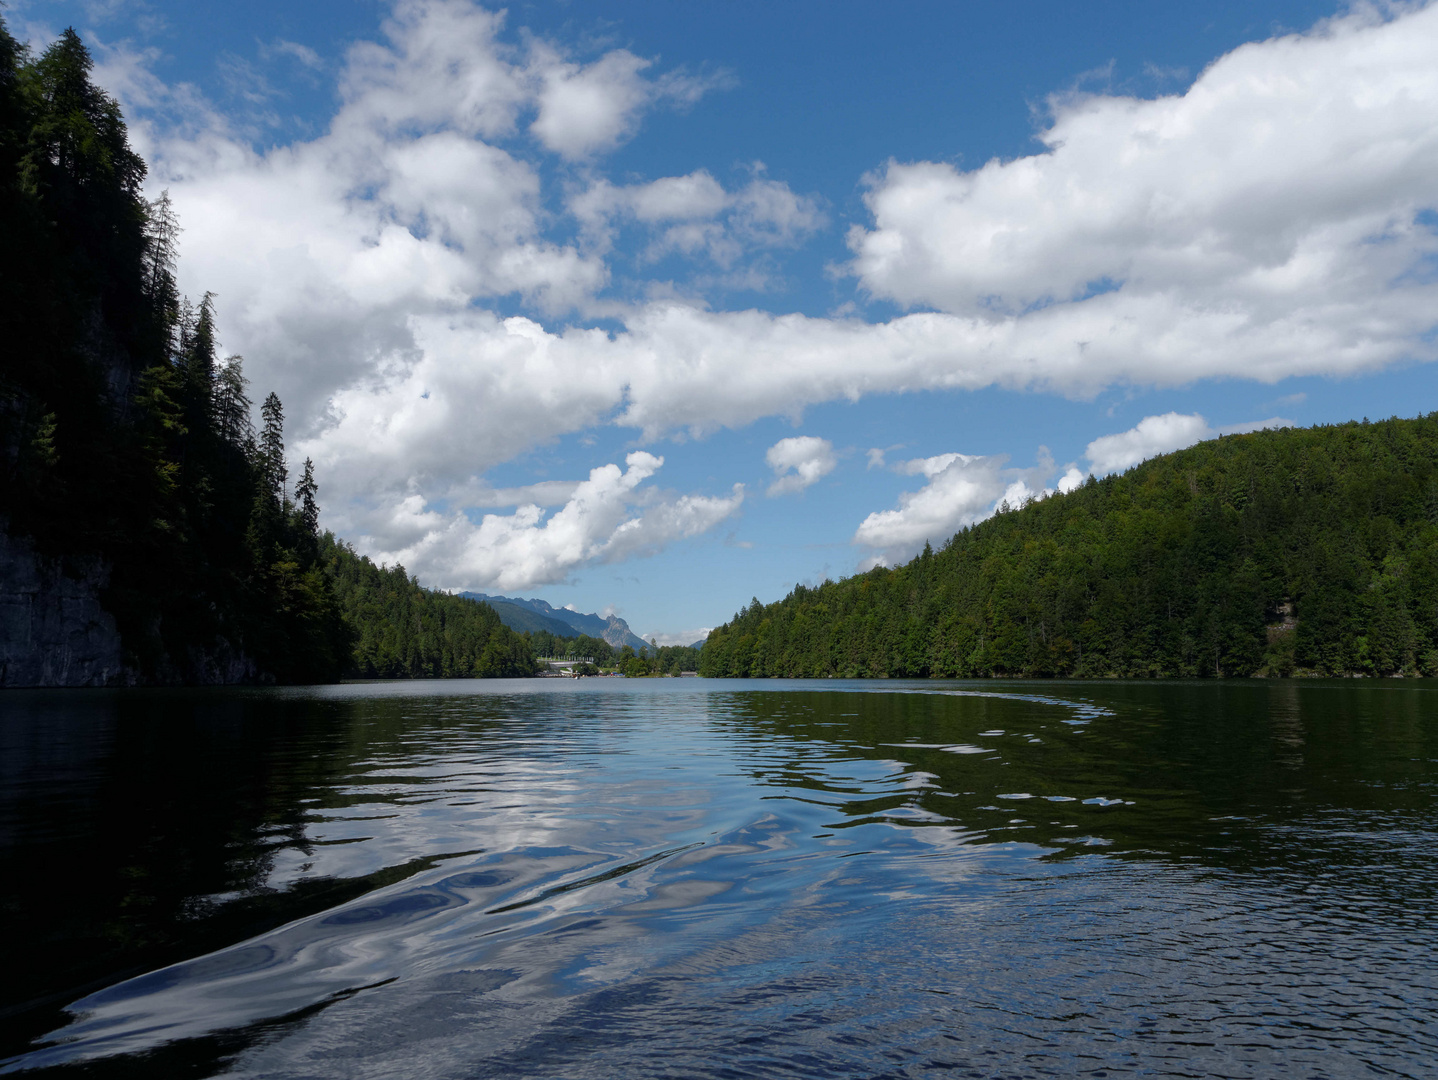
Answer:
(1293, 552)
(655, 660)
(405, 631)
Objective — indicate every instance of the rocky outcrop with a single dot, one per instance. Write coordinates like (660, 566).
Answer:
(53, 629)
(219, 665)
(618, 634)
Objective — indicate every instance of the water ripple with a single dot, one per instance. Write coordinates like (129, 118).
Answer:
(722, 879)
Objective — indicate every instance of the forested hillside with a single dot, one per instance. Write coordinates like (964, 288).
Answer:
(405, 631)
(1292, 552)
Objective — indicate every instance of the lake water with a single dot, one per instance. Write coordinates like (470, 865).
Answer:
(694, 878)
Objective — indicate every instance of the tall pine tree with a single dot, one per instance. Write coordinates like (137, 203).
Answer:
(305, 492)
(273, 473)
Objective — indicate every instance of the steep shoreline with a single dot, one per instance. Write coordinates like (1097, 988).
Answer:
(53, 629)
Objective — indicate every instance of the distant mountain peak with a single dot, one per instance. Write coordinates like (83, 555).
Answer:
(610, 628)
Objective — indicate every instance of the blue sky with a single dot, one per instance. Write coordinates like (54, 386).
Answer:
(880, 265)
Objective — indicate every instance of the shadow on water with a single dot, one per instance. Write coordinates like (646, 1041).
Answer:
(1216, 773)
(137, 830)
(293, 853)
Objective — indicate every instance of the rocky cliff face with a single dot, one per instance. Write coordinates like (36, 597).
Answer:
(53, 631)
(618, 634)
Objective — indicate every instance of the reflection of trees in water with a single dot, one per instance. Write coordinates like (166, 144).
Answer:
(1237, 776)
(141, 828)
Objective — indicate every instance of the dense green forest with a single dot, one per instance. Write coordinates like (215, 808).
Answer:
(405, 631)
(670, 660)
(1293, 552)
(126, 438)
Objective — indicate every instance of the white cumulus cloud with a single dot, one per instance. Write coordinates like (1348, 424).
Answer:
(586, 109)
(962, 489)
(608, 517)
(1282, 193)
(1070, 480)
(1154, 435)
(799, 462)
(1266, 223)
(695, 215)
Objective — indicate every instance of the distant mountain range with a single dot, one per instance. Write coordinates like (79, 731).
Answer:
(520, 615)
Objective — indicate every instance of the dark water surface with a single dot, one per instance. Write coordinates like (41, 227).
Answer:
(693, 878)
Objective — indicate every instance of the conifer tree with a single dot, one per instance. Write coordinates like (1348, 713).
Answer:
(184, 327)
(12, 110)
(232, 404)
(79, 164)
(305, 492)
(273, 473)
(162, 233)
(81, 137)
(197, 364)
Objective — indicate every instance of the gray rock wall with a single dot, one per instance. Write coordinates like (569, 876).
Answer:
(53, 631)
